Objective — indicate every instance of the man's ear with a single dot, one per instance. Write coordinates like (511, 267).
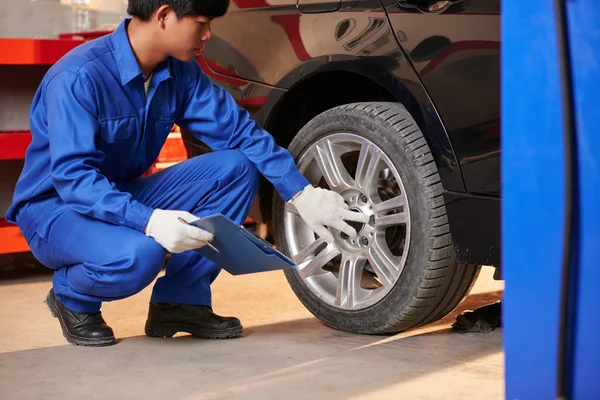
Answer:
(161, 14)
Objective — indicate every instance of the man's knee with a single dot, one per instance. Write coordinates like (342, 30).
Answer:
(242, 167)
(145, 259)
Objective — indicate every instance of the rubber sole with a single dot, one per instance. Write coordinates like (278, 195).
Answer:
(169, 330)
(76, 340)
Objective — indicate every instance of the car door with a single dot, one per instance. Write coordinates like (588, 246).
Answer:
(454, 46)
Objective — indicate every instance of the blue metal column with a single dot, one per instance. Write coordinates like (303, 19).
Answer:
(533, 198)
(545, 358)
(583, 378)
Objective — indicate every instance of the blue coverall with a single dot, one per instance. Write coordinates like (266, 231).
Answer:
(80, 201)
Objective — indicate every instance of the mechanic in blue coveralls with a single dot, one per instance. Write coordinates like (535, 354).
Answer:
(98, 121)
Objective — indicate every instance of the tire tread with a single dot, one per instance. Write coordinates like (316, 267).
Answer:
(442, 260)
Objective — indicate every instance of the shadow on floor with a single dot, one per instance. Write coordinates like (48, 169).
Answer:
(295, 359)
(25, 277)
(18, 269)
(472, 302)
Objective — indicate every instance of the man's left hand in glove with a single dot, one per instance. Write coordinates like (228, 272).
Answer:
(321, 208)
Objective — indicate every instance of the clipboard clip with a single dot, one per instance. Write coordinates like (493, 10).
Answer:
(205, 242)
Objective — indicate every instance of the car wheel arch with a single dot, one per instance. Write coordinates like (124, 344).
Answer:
(286, 111)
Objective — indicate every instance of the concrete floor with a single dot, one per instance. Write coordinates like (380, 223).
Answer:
(284, 353)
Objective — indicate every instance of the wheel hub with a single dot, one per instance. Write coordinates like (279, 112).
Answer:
(360, 203)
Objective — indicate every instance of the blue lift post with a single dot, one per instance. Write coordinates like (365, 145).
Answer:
(551, 198)
(583, 18)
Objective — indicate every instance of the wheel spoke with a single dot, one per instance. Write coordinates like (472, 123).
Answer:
(391, 220)
(309, 250)
(382, 263)
(367, 169)
(334, 171)
(348, 289)
(315, 264)
(390, 205)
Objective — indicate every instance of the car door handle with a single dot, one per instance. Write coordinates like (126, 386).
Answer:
(318, 6)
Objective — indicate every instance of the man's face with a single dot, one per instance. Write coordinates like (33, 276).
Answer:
(185, 37)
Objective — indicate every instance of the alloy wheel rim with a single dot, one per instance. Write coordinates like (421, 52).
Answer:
(352, 273)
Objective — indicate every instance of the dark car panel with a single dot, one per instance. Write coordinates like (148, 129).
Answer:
(286, 66)
(457, 57)
(357, 39)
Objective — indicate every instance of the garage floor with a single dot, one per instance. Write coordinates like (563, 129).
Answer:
(284, 353)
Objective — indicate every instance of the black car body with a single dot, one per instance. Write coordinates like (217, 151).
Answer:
(289, 61)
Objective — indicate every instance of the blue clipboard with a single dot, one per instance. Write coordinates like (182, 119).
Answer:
(237, 250)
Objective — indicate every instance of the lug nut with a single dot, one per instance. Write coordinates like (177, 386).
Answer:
(363, 199)
(364, 241)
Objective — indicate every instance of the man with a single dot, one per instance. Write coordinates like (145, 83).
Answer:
(98, 121)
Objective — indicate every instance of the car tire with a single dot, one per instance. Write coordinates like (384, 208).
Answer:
(431, 283)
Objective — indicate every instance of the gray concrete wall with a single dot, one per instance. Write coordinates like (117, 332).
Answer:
(35, 19)
(47, 19)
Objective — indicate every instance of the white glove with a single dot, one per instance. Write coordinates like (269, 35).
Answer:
(321, 208)
(174, 235)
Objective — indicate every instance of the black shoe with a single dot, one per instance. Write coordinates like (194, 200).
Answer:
(80, 328)
(166, 319)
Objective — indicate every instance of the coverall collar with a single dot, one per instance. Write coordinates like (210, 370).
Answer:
(127, 64)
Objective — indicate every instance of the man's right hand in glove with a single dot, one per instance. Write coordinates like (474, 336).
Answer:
(323, 208)
(172, 234)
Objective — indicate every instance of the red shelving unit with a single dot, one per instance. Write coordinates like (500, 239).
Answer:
(35, 51)
(13, 145)
(35, 56)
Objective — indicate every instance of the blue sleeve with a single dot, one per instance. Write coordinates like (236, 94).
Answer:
(75, 160)
(213, 116)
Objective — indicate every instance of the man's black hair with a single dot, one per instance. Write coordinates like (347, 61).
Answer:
(143, 9)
